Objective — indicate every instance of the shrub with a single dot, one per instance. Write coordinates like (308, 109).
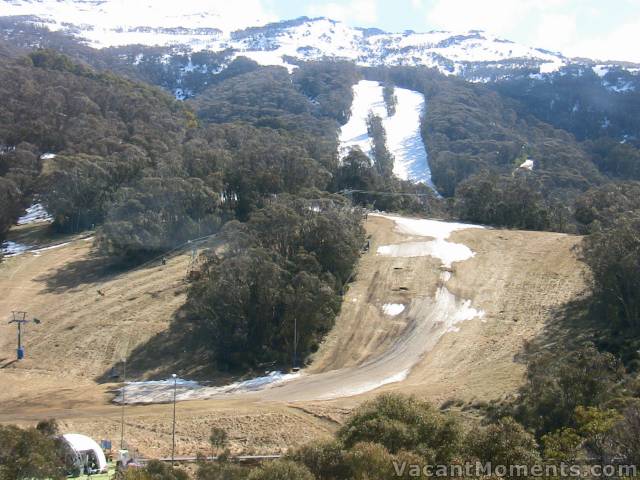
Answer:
(405, 423)
(281, 470)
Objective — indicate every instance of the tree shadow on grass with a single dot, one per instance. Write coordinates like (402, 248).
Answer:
(571, 326)
(179, 350)
(96, 269)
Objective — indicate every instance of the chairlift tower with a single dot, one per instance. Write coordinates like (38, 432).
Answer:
(20, 319)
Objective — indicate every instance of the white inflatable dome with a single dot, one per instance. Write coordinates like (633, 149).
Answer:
(82, 444)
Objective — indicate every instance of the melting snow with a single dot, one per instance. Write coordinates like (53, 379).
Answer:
(392, 309)
(35, 213)
(551, 67)
(11, 249)
(447, 252)
(268, 58)
(366, 387)
(160, 391)
(601, 70)
(464, 311)
(440, 316)
(620, 87)
(527, 164)
(50, 247)
(427, 228)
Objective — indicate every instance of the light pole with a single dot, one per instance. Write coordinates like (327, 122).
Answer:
(124, 388)
(173, 434)
(295, 342)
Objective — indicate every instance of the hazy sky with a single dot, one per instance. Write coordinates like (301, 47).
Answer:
(605, 29)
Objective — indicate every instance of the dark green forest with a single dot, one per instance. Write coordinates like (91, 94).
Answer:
(253, 156)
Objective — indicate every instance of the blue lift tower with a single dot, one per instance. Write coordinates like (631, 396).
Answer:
(20, 319)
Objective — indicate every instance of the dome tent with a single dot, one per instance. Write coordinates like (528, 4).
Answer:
(86, 452)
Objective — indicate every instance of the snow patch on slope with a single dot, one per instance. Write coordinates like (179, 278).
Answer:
(360, 388)
(392, 309)
(527, 164)
(161, 391)
(107, 23)
(35, 213)
(428, 228)
(367, 98)
(447, 252)
(440, 248)
(11, 249)
(404, 139)
(443, 315)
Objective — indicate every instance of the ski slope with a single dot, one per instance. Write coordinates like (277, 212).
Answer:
(427, 319)
(367, 97)
(404, 140)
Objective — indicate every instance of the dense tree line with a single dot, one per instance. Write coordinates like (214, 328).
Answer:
(390, 98)
(128, 159)
(283, 269)
(620, 161)
(598, 208)
(365, 185)
(58, 105)
(613, 255)
(159, 214)
(383, 159)
(579, 101)
(267, 97)
(105, 131)
(328, 85)
(256, 96)
(558, 383)
(504, 201)
(609, 215)
(10, 206)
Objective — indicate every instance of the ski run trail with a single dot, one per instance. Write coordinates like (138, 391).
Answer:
(404, 140)
(428, 321)
(405, 143)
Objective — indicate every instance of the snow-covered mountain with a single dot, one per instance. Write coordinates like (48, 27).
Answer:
(148, 22)
(192, 27)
